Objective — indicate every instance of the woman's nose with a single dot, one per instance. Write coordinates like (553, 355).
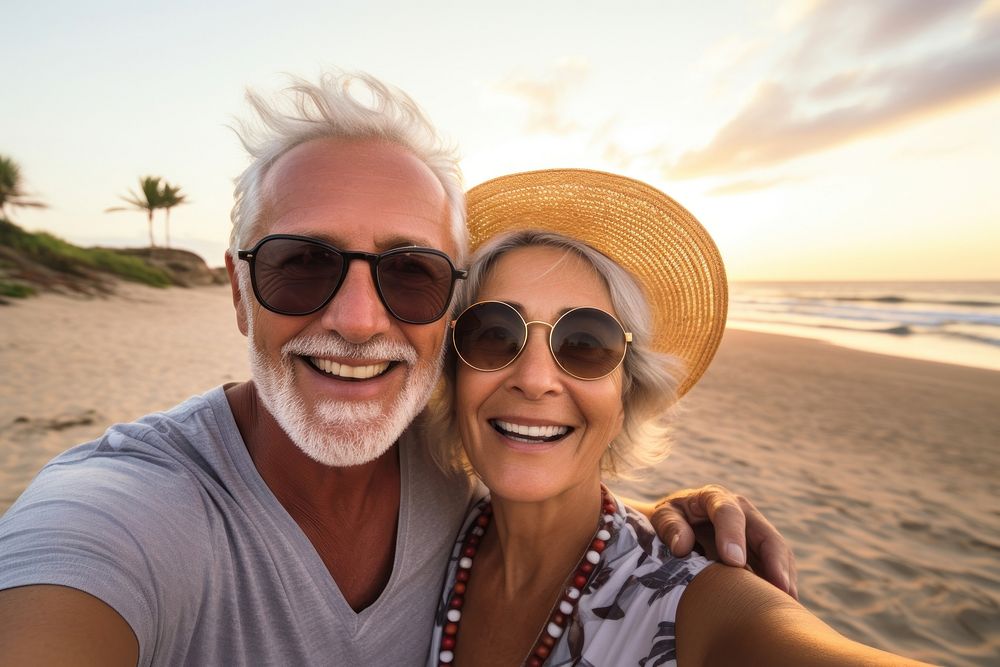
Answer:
(535, 373)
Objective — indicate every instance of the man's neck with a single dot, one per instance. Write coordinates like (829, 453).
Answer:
(349, 514)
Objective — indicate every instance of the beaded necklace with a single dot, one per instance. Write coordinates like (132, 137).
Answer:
(561, 612)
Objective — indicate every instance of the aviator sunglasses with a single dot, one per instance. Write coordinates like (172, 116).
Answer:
(298, 275)
(586, 343)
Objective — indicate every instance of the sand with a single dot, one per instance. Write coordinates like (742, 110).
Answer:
(884, 473)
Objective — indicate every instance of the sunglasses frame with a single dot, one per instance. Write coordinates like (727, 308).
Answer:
(373, 259)
(627, 335)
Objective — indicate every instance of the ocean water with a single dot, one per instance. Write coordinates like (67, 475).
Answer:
(949, 322)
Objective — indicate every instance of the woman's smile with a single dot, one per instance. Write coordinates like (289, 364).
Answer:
(531, 430)
(530, 434)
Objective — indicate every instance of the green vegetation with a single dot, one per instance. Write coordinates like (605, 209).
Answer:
(32, 261)
(170, 196)
(59, 255)
(11, 188)
(15, 290)
(156, 193)
(148, 201)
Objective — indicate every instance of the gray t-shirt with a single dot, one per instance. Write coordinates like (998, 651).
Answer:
(167, 520)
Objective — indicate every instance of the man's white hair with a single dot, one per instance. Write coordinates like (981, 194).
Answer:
(332, 109)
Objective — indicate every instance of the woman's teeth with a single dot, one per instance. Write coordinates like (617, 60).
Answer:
(345, 371)
(523, 433)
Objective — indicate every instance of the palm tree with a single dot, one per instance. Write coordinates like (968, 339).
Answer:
(150, 200)
(11, 193)
(171, 196)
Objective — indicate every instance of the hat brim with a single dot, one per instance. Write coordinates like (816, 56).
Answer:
(634, 224)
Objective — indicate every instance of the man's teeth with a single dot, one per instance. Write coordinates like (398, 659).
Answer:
(345, 371)
(532, 432)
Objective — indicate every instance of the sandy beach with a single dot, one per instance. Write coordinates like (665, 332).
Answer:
(881, 471)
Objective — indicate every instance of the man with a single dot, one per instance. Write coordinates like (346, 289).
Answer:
(296, 518)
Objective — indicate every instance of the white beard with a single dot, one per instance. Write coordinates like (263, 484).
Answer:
(340, 433)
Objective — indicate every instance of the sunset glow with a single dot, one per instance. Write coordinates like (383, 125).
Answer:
(822, 140)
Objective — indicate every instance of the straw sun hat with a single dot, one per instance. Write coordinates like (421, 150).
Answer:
(636, 225)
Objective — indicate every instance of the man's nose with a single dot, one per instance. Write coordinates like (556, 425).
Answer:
(356, 312)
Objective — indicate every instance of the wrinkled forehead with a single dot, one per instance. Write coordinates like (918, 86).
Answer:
(373, 193)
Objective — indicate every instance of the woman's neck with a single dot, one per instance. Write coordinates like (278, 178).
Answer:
(535, 546)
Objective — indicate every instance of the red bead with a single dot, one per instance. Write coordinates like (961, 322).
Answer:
(581, 575)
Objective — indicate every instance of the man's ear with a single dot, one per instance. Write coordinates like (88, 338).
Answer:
(238, 303)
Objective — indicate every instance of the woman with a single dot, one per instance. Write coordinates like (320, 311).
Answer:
(561, 373)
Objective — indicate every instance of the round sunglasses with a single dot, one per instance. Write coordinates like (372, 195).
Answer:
(586, 343)
(298, 275)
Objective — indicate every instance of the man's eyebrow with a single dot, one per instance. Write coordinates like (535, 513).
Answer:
(389, 243)
(400, 242)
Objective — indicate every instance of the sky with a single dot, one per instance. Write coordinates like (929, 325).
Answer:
(815, 139)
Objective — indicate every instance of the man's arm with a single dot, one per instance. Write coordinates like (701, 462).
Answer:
(690, 515)
(56, 625)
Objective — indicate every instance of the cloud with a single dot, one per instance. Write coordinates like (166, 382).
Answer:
(901, 19)
(545, 99)
(835, 30)
(796, 113)
(747, 185)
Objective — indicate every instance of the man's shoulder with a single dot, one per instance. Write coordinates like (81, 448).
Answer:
(153, 462)
(135, 499)
(205, 418)
(189, 430)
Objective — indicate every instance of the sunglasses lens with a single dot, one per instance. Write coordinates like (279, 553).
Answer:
(588, 343)
(296, 277)
(489, 335)
(416, 286)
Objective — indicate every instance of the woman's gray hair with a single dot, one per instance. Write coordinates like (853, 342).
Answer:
(650, 378)
(331, 109)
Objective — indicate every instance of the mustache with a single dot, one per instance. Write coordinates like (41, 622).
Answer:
(333, 345)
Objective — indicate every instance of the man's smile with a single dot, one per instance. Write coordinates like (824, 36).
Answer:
(348, 371)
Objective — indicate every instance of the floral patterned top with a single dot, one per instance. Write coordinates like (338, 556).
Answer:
(627, 611)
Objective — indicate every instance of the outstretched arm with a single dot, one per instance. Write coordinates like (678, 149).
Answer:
(740, 530)
(727, 616)
(56, 625)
